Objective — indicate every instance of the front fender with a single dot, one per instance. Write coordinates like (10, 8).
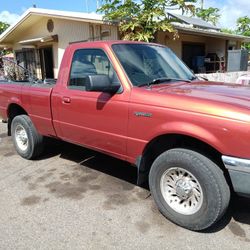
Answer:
(201, 133)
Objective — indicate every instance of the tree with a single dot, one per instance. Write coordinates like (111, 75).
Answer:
(243, 28)
(3, 27)
(210, 14)
(140, 20)
(228, 31)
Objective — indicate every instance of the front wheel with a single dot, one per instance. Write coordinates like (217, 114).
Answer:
(189, 189)
(27, 141)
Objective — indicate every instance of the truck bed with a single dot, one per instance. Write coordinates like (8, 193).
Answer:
(35, 99)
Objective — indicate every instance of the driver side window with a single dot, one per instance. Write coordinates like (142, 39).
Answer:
(89, 62)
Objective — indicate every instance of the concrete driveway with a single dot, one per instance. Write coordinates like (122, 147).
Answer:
(74, 198)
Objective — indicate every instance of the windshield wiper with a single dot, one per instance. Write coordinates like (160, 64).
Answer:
(161, 80)
(202, 78)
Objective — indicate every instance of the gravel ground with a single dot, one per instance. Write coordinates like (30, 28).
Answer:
(74, 198)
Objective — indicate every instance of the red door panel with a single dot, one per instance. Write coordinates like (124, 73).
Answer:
(95, 119)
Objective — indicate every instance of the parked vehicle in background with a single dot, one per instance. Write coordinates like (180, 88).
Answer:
(138, 102)
(243, 80)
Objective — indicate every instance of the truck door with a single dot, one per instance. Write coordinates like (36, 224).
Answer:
(95, 119)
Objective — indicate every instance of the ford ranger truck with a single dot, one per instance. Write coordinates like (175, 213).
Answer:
(190, 139)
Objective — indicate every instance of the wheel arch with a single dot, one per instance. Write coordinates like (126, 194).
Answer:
(165, 142)
(14, 110)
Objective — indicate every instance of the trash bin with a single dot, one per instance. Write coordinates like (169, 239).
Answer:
(237, 60)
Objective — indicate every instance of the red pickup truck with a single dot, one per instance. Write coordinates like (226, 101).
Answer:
(190, 139)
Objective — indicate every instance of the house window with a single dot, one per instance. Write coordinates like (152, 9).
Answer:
(27, 59)
(94, 32)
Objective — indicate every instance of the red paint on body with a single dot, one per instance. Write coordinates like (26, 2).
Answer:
(215, 113)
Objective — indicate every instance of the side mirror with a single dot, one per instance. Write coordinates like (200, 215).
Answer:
(101, 83)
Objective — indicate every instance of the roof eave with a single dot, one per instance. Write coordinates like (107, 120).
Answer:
(77, 18)
(41, 12)
(25, 15)
(214, 33)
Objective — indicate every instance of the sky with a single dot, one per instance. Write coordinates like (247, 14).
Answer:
(10, 10)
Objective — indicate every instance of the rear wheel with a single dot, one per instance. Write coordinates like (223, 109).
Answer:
(27, 141)
(189, 189)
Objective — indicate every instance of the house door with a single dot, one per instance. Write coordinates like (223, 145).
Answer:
(190, 52)
(47, 65)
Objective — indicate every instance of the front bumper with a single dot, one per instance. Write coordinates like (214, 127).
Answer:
(239, 171)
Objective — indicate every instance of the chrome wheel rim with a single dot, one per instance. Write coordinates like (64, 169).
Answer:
(181, 191)
(21, 138)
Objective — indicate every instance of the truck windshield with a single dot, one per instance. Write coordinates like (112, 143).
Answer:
(143, 63)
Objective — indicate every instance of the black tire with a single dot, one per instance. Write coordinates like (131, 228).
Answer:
(211, 180)
(35, 141)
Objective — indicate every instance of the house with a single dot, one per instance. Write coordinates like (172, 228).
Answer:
(202, 46)
(40, 37)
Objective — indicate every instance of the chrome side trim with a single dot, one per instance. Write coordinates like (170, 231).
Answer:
(236, 164)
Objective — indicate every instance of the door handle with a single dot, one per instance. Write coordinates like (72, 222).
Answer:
(66, 99)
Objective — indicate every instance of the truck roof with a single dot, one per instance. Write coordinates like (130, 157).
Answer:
(106, 42)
